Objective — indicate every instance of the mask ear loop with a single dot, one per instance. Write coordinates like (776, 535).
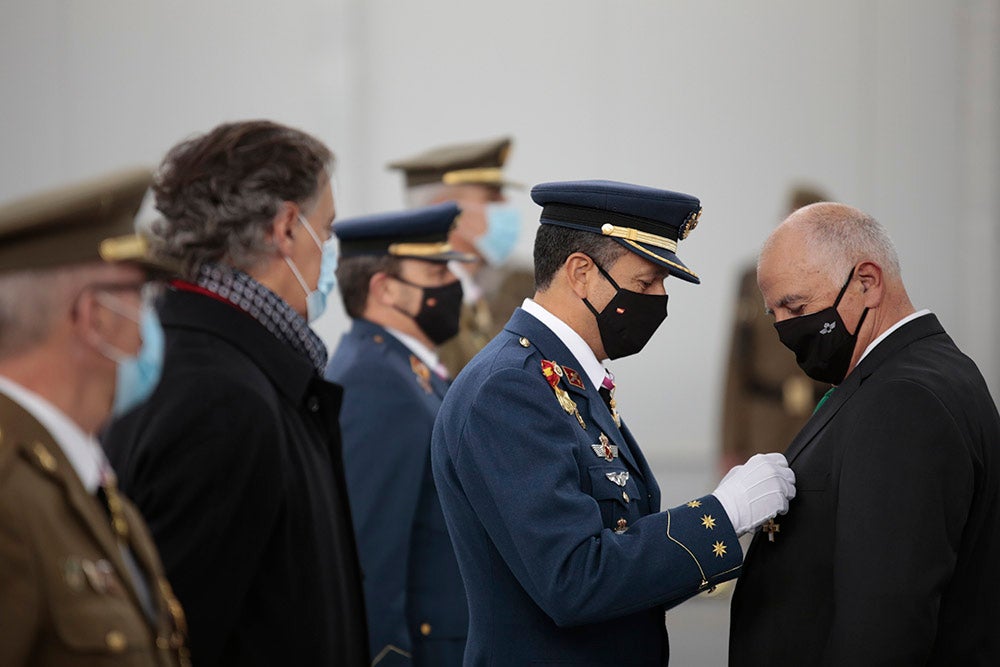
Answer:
(836, 303)
(607, 276)
(109, 351)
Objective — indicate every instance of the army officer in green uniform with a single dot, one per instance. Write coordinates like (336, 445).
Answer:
(80, 579)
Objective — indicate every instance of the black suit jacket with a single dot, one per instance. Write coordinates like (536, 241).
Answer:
(235, 463)
(889, 552)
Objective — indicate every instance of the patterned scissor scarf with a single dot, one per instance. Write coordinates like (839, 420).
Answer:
(266, 307)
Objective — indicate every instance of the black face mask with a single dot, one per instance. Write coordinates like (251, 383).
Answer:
(629, 320)
(822, 345)
(440, 310)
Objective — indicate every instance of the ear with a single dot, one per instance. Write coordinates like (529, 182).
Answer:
(89, 320)
(872, 283)
(284, 226)
(578, 270)
(381, 290)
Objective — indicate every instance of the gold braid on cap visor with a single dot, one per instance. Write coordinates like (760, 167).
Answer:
(483, 175)
(632, 234)
(419, 249)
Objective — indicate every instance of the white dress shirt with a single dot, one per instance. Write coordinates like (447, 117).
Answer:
(421, 351)
(592, 368)
(885, 334)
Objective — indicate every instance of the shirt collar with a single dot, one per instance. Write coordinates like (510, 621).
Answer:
(885, 334)
(82, 450)
(421, 351)
(571, 339)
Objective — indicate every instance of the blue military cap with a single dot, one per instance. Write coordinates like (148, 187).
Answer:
(647, 221)
(418, 233)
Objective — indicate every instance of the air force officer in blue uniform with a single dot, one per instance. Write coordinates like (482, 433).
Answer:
(404, 302)
(553, 510)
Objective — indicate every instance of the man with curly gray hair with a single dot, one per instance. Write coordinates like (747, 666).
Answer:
(235, 458)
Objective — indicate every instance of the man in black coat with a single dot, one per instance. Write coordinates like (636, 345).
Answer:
(235, 460)
(888, 556)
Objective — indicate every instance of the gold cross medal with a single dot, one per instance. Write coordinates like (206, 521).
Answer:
(771, 528)
(553, 373)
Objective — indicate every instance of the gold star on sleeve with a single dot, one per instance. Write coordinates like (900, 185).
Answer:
(708, 521)
(719, 549)
(694, 503)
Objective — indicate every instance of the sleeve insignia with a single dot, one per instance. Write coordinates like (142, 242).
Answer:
(694, 503)
(719, 549)
(708, 521)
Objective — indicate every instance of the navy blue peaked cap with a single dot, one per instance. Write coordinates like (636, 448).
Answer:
(647, 221)
(418, 233)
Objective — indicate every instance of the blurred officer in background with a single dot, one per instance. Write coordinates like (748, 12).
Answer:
(235, 459)
(394, 278)
(471, 174)
(553, 510)
(767, 398)
(80, 580)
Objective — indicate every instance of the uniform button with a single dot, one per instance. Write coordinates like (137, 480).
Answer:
(625, 496)
(115, 641)
(524, 342)
(313, 404)
(162, 643)
(425, 629)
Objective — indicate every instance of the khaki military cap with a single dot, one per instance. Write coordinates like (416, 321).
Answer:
(92, 221)
(479, 163)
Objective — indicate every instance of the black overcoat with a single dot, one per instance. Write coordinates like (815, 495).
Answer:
(235, 462)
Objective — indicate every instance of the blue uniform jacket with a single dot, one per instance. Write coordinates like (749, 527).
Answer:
(413, 590)
(565, 558)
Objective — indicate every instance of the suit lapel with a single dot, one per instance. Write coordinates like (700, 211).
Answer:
(926, 325)
(593, 409)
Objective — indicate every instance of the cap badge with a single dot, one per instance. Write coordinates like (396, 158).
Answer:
(689, 224)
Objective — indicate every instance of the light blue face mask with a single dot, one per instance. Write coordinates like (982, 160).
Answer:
(138, 375)
(316, 299)
(503, 226)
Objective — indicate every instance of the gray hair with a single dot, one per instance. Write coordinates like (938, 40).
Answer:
(839, 237)
(426, 194)
(31, 302)
(219, 192)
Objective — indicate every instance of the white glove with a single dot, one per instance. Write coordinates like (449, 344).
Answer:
(756, 491)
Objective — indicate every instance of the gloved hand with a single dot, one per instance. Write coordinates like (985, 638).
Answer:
(756, 491)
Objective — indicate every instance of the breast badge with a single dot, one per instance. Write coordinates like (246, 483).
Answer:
(553, 373)
(423, 373)
(605, 450)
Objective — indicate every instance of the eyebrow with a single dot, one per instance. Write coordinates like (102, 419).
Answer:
(784, 302)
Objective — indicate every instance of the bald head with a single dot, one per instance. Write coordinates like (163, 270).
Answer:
(833, 238)
(827, 255)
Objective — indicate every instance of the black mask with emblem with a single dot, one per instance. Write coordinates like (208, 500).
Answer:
(440, 310)
(822, 345)
(629, 320)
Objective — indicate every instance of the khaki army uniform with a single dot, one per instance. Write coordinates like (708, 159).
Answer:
(506, 288)
(767, 396)
(66, 595)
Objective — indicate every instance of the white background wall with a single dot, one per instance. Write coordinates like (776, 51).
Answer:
(893, 106)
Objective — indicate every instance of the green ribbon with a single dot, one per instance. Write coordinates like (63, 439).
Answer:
(823, 400)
